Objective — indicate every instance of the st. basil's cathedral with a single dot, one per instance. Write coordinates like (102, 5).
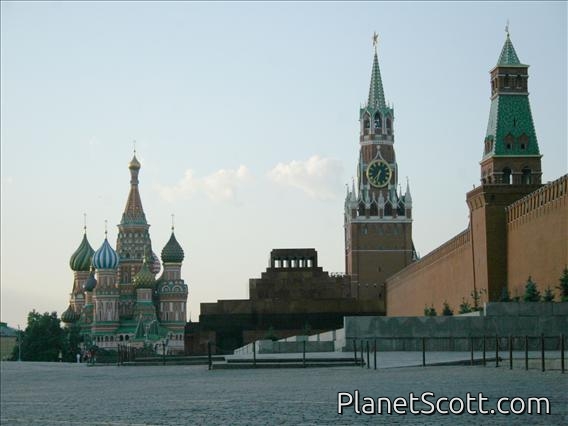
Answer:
(117, 296)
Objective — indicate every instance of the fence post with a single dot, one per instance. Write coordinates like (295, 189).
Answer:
(304, 354)
(210, 360)
(362, 356)
(484, 351)
(526, 352)
(376, 357)
(510, 352)
(368, 360)
(471, 347)
(542, 350)
(496, 351)
(355, 351)
(254, 354)
(423, 351)
(562, 353)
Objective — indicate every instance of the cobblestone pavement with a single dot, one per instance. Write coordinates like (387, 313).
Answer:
(74, 394)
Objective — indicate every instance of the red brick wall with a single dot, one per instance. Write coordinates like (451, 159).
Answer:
(537, 237)
(445, 274)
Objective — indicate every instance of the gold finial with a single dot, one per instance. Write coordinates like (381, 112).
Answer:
(134, 145)
(85, 223)
(375, 40)
(173, 217)
(507, 28)
(106, 226)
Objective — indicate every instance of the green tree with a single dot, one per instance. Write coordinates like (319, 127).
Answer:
(563, 287)
(548, 295)
(42, 340)
(71, 339)
(447, 311)
(430, 311)
(465, 307)
(476, 295)
(531, 292)
(505, 297)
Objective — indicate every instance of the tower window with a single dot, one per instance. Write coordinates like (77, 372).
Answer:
(506, 82)
(523, 141)
(377, 120)
(506, 178)
(509, 140)
(527, 178)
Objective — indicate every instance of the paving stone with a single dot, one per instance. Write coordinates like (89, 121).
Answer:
(74, 394)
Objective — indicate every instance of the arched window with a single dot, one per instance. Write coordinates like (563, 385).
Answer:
(388, 209)
(377, 121)
(374, 209)
(389, 125)
(506, 82)
(366, 124)
(506, 177)
(527, 176)
(519, 82)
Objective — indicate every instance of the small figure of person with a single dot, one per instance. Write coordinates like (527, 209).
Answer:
(60, 356)
(78, 356)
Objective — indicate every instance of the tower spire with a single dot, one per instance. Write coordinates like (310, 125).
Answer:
(376, 94)
(134, 212)
(508, 54)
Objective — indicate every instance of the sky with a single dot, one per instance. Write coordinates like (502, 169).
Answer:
(245, 117)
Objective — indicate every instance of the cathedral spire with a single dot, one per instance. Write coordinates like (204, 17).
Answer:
(134, 212)
(376, 93)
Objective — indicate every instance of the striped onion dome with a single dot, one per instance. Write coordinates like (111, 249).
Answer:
(91, 282)
(172, 251)
(105, 257)
(155, 265)
(81, 259)
(69, 316)
(144, 278)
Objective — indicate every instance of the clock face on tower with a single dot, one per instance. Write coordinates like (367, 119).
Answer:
(379, 173)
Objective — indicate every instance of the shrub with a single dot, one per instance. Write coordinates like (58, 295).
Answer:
(531, 292)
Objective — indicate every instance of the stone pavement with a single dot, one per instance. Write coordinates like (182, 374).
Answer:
(74, 394)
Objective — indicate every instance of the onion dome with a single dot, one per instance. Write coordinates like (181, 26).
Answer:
(81, 259)
(134, 163)
(91, 282)
(105, 257)
(155, 265)
(144, 278)
(69, 316)
(172, 251)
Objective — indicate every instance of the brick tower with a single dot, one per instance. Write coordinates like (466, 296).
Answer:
(510, 169)
(378, 217)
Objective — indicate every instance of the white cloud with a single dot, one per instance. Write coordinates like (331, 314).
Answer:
(221, 185)
(318, 177)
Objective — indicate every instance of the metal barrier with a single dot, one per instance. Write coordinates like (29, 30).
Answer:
(534, 348)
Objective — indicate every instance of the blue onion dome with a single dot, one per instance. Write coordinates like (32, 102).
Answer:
(91, 282)
(144, 278)
(81, 259)
(105, 257)
(155, 265)
(69, 316)
(172, 251)
(134, 163)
